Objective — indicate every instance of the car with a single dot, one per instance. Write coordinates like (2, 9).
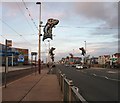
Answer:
(67, 65)
(79, 66)
(73, 65)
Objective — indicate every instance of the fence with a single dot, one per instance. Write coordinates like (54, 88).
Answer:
(70, 92)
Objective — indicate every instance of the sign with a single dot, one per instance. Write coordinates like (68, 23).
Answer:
(113, 59)
(9, 42)
(33, 53)
(21, 58)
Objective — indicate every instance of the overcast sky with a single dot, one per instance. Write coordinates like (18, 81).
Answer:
(93, 22)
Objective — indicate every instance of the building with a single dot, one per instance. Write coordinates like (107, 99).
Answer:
(73, 60)
(116, 58)
(103, 59)
(112, 61)
(15, 55)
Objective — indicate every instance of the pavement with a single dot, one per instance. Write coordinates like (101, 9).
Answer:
(35, 87)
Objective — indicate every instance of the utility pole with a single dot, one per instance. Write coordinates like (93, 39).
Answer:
(39, 41)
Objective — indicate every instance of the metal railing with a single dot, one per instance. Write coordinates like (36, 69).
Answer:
(70, 92)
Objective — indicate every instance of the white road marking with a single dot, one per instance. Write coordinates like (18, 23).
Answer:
(104, 76)
(111, 72)
(114, 79)
(94, 74)
(107, 78)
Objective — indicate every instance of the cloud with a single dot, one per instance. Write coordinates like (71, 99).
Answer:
(101, 48)
(99, 11)
(104, 31)
(108, 44)
(104, 51)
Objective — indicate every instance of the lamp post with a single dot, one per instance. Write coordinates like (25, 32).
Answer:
(85, 45)
(85, 53)
(48, 51)
(39, 41)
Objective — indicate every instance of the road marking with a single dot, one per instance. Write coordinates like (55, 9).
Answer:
(107, 78)
(94, 74)
(114, 79)
(110, 78)
(111, 72)
(103, 76)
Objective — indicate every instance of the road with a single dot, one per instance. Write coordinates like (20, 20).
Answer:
(15, 74)
(94, 84)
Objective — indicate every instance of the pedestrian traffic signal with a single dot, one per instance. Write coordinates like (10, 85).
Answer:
(48, 28)
(83, 51)
(71, 55)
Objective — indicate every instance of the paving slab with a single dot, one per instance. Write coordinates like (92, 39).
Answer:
(46, 90)
(39, 87)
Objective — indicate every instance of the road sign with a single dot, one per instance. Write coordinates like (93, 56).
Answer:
(113, 59)
(9, 42)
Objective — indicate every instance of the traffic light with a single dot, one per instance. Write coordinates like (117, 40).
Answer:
(83, 51)
(48, 28)
(71, 55)
(51, 53)
(52, 57)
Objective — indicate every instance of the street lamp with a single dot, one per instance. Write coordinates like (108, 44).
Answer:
(48, 51)
(85, 45)
(39, 40)
(85, 53)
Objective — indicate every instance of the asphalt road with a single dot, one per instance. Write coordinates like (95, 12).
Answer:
(94, 84)
(14, 75)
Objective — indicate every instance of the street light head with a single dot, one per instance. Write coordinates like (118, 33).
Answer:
(41, 22)
(40, 34)
(38, 2)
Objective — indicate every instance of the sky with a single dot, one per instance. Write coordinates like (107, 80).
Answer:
(93, 22)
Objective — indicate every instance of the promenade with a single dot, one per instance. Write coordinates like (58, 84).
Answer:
(34, 87)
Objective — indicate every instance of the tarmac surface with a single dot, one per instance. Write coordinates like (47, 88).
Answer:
(34, 87)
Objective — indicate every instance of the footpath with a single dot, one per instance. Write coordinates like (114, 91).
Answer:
(35, 87)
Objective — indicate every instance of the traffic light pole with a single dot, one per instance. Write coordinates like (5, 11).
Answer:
(39, 43)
